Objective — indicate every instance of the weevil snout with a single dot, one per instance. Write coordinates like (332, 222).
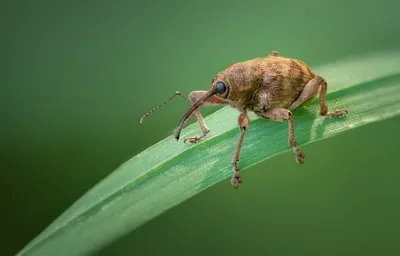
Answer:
(217, 88)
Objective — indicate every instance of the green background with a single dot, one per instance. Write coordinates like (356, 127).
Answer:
(76, 76)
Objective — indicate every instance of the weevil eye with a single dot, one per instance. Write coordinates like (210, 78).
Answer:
(220, 88)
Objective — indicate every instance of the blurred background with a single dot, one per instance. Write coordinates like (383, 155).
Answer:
(76, 76)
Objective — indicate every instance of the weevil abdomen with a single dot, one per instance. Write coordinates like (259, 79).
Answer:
(283, 81)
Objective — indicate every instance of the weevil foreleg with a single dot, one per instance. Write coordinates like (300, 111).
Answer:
(214, 100)
(243, 122)
(310, 90)
(278, 115)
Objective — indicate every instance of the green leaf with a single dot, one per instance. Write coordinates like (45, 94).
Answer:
(170, 171)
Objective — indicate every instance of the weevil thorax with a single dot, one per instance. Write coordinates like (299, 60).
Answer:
(242, 80)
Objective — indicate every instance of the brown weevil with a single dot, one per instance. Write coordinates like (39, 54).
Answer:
(270, 86)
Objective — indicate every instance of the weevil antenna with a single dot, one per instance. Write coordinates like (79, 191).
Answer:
(194, 107)
(159, 106)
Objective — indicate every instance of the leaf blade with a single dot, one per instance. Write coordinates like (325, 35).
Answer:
(368, 87)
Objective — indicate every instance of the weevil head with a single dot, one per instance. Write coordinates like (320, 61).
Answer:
(219, 88)
(237, 84)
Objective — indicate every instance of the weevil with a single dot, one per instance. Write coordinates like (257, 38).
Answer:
(271, 86)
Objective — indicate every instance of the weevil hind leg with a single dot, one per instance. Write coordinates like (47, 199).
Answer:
(278, 115)
(193, 98)
(310, 91)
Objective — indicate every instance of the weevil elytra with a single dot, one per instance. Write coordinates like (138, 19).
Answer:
(272, 87)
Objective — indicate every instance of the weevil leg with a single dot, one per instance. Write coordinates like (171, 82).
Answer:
(278, 115)
(310, 91)
(243, 122)
(214, 100)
